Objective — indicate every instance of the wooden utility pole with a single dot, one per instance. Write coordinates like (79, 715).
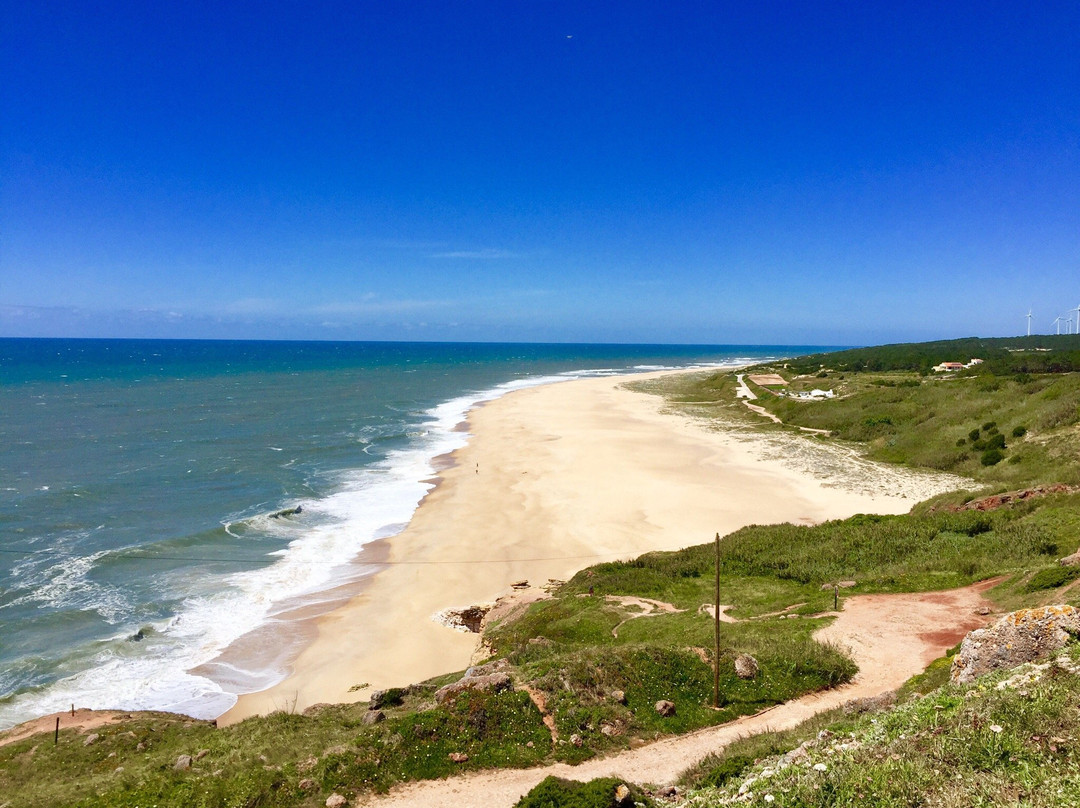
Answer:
(716, 631)
(56, 734)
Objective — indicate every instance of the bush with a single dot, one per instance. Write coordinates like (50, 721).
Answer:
(973, 435)
(991, 457)
(996, 441)
(1051, 578)
(554, 792)
(1019, 432)
(961, 441)
(989, 425)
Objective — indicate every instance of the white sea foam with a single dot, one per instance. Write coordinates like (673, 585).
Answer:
(370, 503)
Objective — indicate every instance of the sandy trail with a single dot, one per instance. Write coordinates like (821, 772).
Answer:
(892, 637)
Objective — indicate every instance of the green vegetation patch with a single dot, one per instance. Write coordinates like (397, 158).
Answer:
(554, 792)
(1051, 578)
(264, 761)
(955, 422)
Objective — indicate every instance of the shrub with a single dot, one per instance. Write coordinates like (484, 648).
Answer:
(996, 441)
(554, 792)
(991, 457)
(1051, 578)
(1019, 432)
(973, 435)
(989, 425)
(961, 441)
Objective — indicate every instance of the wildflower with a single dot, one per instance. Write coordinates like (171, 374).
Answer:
(995, 727)
(820, 767)
(769, 798)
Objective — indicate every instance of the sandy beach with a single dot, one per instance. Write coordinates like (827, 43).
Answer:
(553, 479)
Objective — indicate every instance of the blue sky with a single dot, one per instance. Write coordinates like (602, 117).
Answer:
(835, 173)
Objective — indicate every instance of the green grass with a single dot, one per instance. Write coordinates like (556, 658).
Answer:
(930, 550)
(261, 761)
(959, 745)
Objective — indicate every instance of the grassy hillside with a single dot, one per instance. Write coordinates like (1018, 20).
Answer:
(1001, 356)
(1002, 430)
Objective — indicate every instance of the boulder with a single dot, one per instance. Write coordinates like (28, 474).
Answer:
(665, 708)
(494, 682)
(618, 696)
(183, 763)
(90, 739)
(390, 697)
(746, 667)
(373, 717)
(1070, 560)
(307, 784)
(336, 801)
(1018, 637)
(488, 668)
(459, 757)
(623, 796)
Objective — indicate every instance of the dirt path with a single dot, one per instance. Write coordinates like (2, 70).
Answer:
(892, 637)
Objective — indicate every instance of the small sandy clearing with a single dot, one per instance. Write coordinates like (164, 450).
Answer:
(892, 637)
(648, 606)
(710, 610)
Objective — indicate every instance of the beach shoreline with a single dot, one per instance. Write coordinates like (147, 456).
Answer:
(553, 478)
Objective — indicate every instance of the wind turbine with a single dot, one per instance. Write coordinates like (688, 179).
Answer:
(1078, 319)
(1029, 319)
(1057, 323)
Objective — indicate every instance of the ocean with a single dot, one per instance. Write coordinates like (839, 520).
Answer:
(139, 482)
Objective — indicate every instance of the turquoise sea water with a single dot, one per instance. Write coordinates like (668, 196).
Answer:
(138, 479)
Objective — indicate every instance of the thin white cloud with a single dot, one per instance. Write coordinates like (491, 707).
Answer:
(484, 254)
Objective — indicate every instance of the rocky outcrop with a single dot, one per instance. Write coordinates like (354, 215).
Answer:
(665, 708)
(391, 697)
(299, 509)
(469, 618)
(998, 500)
(1018, 637)
(490, 677)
